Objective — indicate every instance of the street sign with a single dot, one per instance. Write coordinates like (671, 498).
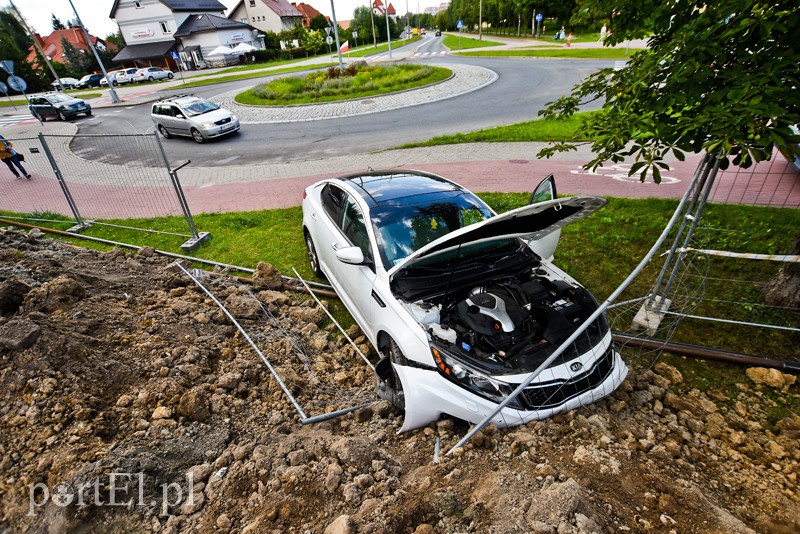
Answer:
(539, 17)
(328, 30)
(329, 40)
(3, 88)
(7, 66)
(355, 34)
(174, 55)
(459, 24)
(17, 84)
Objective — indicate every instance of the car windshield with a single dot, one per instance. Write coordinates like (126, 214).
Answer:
(404, 229)
(199, 107)
(60, 98)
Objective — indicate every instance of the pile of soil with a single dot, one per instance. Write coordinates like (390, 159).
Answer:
(130, 403)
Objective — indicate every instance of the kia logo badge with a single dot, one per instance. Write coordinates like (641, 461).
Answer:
(575, 367)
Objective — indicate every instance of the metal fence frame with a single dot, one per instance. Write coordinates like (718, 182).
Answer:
(196, 238)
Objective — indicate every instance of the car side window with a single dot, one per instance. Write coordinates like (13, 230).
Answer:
(333, 203)
(354, 228)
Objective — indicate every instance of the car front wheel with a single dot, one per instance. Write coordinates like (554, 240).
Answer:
(62, 116)
(170, 76)
(313, 259)
(395, 355)
(197, 136)
(150, 79)
(163, 131)
(89, 113)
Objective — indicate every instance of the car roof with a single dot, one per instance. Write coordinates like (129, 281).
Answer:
(400, 187)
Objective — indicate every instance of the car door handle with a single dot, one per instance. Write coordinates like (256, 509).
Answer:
(335, 245)
(314, 215)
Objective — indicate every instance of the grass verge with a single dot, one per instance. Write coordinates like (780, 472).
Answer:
(576, 53)
(531, 131)
(456, 42)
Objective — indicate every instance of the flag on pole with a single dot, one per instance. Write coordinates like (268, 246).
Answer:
(345, 47)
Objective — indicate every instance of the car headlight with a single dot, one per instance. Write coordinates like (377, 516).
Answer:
(472, 380)
(234, 117)
(207, 125)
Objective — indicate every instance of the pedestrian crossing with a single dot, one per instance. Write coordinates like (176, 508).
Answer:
(12, 120)
(421, 55)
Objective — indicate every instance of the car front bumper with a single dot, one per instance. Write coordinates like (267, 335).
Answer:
(428, 395)
(217, 131)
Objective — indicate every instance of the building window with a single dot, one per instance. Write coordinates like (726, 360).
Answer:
(252, 3)
(137, 5)
(164, 26)
(244, 20)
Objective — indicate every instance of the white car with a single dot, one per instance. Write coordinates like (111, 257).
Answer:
(462, 304)
(65, 83)
(125, 75)
(193, 117)
(149, 74)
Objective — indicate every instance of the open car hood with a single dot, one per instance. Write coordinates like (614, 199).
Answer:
(530, 222)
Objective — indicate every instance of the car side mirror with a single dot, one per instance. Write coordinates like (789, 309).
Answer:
(352, 256)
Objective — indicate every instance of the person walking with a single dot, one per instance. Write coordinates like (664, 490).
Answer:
(603, 33)
(11, 158)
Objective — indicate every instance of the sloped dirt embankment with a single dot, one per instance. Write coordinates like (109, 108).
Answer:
(128, 403)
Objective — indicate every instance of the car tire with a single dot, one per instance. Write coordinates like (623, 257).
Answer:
(395, 355)
(170, 76)
(62, 116)
(164, 132)
(89, 113)
(114, 83)
(197, 136)
(313, 258)
(150, 78)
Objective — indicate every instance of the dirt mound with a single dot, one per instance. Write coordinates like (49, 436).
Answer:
(129, 403)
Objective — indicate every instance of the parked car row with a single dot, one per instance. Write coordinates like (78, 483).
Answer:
(117, 77)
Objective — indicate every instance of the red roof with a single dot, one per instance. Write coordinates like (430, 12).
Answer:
(51, 45)
(308, 12)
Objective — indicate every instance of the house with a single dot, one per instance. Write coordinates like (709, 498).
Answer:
(379, 9)
(267, 15)
(200, 35)
(53, 49)
(309, 13)
(148, 28)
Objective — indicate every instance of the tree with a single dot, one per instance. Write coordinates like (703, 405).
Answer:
(319, 23)
(56, 23)
(717, 77)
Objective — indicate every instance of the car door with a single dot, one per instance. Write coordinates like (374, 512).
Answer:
(545, 246)
(178, 124)
(42, 107)
(344, 226)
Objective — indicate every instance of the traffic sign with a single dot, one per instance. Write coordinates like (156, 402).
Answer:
(355, 34)
(329, 40)
(17, 84)
(7, 66)
(539, 17)
(3, 88)
(174, 55)
(459, 24)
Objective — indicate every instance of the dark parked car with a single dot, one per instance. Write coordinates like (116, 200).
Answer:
(90, 80)
(58, 105)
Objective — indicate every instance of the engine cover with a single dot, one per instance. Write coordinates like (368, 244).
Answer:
(490, 314)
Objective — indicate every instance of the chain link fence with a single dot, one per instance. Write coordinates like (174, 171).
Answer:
(102, 190)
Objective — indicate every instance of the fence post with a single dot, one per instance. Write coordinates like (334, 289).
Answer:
(198, 238)
(82, 225)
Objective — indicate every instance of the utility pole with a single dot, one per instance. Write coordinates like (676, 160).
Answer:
(114, 98)
(35, 42)
(480, 20)
(388, 32)
(336, 34)
(372, 20)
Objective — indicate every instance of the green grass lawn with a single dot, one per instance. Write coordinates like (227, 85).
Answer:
(531, 131)
(457, 42)
(560, 52)
(331, 85)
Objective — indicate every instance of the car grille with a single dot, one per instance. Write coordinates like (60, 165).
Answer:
(557, 393)
(226, 120)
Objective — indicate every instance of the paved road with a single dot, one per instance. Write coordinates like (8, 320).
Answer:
(278, 182)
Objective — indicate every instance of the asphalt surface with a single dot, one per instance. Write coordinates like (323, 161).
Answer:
(502, 167)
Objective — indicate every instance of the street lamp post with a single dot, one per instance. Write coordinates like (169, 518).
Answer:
(114, 98)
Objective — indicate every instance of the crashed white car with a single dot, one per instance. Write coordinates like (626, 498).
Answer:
(462, 304)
